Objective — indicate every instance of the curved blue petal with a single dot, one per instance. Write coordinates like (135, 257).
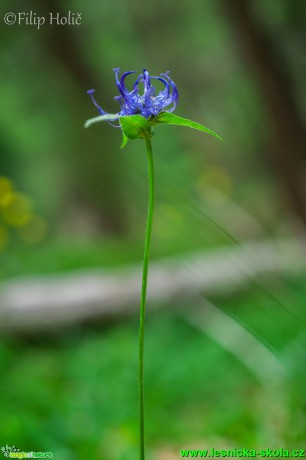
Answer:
(175, 93)
(123, 78)
(117, 70)
(101, 111)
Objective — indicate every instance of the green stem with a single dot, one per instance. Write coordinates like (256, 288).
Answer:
(144, 295)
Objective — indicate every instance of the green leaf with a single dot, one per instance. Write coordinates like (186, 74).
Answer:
(135, 126)
(169, 118)
(125, 140)
(92, 121)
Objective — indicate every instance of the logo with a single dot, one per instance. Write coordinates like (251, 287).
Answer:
(7, 450)
(14, 452)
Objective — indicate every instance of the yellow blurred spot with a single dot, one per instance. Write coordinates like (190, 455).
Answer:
(217, 178)
(170, 213)
(34, 231)
(6, 191)
(168, 220)
(4, 237)
(122, 439)
(18, 211)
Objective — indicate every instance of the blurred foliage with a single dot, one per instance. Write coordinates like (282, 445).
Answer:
(79, 386)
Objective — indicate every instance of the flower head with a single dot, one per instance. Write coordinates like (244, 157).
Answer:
(144, 101)
(143, 108)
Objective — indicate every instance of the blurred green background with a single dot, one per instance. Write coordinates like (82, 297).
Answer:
(70, 199)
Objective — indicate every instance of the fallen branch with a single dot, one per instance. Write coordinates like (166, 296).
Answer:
(40, 302)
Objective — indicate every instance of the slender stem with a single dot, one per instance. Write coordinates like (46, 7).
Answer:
(144, 295)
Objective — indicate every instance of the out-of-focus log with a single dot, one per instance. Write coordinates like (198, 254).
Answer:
(40, 302)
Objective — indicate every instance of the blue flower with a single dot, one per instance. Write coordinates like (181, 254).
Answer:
(142, 102)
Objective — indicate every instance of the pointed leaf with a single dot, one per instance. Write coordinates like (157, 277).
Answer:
(170, 118)
(92, 121)
(135, 126)
(125, 140)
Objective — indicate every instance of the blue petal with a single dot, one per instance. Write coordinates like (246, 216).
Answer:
(101, 111)
(147, 86)
(117, 70)
(125, 91)
(175, 93)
